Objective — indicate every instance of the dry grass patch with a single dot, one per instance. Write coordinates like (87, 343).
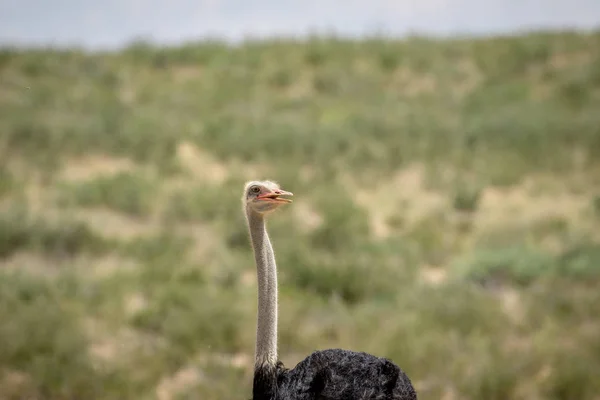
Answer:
(115, 224)
(201, 164)
(405, 195)
(93, 166)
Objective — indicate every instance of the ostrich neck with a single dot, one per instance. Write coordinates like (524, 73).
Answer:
(266, 269)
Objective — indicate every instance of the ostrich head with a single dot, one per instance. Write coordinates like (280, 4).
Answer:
(264, 196)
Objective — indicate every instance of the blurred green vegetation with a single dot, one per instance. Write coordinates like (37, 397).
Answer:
(446, 213)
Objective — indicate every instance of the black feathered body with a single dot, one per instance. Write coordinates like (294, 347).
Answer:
(334, 374)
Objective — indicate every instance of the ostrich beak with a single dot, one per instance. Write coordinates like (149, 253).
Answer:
(274, 196)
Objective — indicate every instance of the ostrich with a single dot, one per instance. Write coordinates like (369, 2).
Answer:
(333, 374)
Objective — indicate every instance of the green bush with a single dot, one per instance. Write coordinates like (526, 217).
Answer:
(41, 341)
(580, 261)
(124, 192)
(512, 265)
(21, 231)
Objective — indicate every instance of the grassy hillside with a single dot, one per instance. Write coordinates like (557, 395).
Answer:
(446, 214)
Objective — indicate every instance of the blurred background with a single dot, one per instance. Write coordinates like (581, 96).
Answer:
(445, 160)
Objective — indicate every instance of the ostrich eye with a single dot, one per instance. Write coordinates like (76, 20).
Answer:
(255, 189)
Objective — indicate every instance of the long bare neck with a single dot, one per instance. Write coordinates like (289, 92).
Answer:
(266, 269)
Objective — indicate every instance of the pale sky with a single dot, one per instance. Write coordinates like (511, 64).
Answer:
(113, 23)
